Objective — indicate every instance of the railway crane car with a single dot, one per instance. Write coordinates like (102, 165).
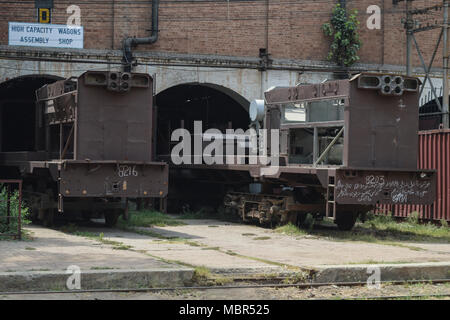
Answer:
(345, 146)
(93, 147)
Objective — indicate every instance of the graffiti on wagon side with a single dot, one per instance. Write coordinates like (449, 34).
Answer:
(380, 187)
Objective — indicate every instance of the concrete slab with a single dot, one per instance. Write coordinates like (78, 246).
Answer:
(302, 251)
(394, 272)
(237, 248)
(95, 280)
(41, 264)
(191, 252)
(52, 250)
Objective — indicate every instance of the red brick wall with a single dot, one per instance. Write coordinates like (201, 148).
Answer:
(235, 28)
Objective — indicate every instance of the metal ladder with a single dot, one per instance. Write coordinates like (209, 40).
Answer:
(331, 193)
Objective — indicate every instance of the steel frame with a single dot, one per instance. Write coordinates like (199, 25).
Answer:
(443, 36)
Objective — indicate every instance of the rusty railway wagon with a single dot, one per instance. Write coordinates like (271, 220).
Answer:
(344, 147)
(93, 147)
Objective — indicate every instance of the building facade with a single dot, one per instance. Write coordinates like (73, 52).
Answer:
(238, 48)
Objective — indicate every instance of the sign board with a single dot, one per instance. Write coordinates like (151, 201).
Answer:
(45, 35)
(43, 4)
(44, 15)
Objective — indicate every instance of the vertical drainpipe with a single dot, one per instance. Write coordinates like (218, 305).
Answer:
(409, 35)
(130, 43)
(263, 71)
(445, 84)
(264, 55)
(383, 22)
(267, 25)
(113, 31)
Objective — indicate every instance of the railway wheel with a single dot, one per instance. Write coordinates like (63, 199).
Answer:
(111, 217)
(305, 220)
(346, 220)
(33, 212)
(49, 212)
(49, 217)
(33, 202)
(301, 217)
(34, 215)
(86, 215)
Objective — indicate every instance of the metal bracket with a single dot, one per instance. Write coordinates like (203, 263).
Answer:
(427, 70)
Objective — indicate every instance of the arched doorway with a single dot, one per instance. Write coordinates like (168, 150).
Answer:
(17, 111)
(216, 106)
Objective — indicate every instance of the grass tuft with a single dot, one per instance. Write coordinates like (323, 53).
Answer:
(291, 230)
(148, 219)
(100, 237)
(207, 213)
(203, 277)
(261, 238)
(379, 229)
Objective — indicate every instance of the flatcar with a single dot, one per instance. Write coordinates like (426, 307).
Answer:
(93, 147)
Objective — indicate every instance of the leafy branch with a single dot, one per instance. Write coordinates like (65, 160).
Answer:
(343, 28)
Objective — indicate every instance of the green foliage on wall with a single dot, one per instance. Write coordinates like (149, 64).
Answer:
(343, 29)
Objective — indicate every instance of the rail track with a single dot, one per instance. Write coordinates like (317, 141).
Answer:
(252, 286)
(398, 297)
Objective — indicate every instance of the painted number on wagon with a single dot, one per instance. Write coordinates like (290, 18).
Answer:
(375, 180)
(127, 171)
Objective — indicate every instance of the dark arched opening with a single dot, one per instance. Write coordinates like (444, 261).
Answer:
(178, 107)
(17, 111)
(216, 106)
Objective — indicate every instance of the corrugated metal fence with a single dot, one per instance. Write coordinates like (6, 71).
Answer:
(434, 153)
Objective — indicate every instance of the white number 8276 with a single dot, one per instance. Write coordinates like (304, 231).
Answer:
(127, 171)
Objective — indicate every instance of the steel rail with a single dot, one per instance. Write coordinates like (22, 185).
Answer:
(252, 286)
(392, 297)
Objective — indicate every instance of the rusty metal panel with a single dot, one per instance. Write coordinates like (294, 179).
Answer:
(327, 90)
(56, 89)
(434, 153)
(112, 123)
(109, 179)
(381, 130)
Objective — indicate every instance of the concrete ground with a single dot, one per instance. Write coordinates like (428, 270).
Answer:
(210, 243)
(216, 244)
(221, 247)
(52, 250)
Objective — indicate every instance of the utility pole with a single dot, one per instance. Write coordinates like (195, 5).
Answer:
(412, 28)
(409, 25)
(445, 116)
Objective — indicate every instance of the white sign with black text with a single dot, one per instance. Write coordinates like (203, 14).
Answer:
(45, 35)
